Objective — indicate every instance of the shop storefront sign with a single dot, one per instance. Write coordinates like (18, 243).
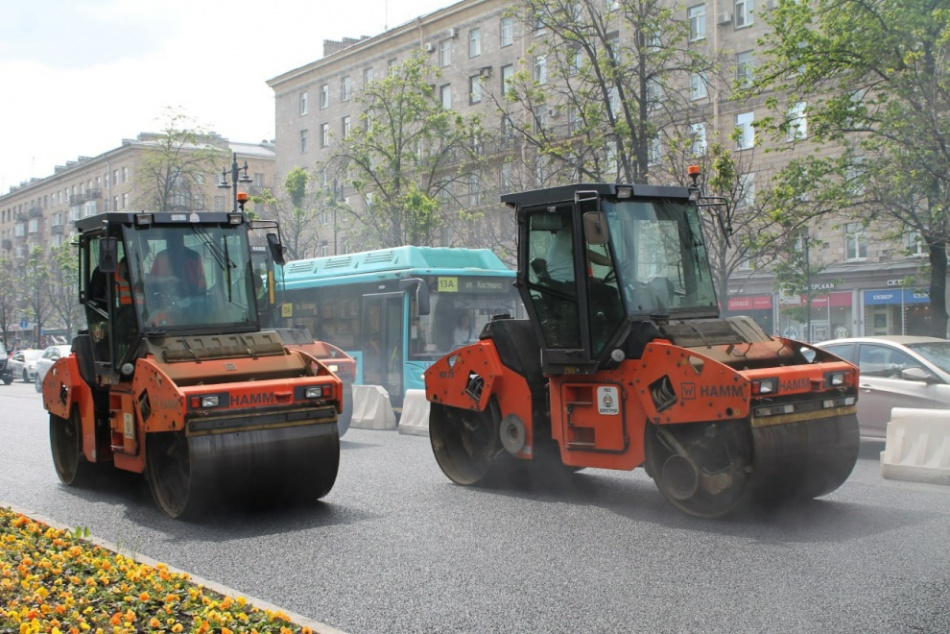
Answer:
(750, 302)
(895, 296)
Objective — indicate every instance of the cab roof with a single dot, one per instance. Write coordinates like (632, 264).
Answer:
(565, 193)
(164, 218)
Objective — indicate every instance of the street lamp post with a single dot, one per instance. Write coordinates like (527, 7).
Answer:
(236, 177)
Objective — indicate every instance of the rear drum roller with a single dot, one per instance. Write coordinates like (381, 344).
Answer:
(65, 439)
(465, 442)
(702, 469)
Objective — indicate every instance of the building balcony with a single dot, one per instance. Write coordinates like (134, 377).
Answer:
(89, 194)
(21, 216)
(35, 212)
(6, 243)
(56, 230)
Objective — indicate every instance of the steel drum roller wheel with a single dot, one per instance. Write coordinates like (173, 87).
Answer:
(702, 469)
(465, 442)
(168, 471)
(343, 422)
(804, 460)
(285, 464)
(65, 439)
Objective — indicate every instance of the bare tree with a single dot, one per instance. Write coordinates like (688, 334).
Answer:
(173, 168)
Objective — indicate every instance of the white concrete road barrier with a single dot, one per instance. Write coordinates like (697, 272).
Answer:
(917, 448)
(371, 408)
(415, 414)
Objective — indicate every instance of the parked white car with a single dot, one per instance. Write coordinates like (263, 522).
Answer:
(50, 356)
(23, 364)
(896, 371)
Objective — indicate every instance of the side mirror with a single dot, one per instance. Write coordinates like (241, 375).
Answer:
(108, 255)
(917, 374)
(422, 293)
(595, 227)
(276, 249)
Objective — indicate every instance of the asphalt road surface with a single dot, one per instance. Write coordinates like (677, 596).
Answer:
(396, 547)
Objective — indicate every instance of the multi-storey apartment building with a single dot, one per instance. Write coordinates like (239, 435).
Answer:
(867, 284)
(40, 212)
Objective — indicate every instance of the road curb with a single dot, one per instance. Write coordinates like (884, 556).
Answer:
(298, 619)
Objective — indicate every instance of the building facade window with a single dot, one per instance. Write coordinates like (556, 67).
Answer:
(445, 53)
(797, 124)
(697, 86)
(325, 135)
(856, 241)
(507, 74)
(541, 69)
(304, 141)
(474, 42)
(697, 133)
(346, 126)
(507, 28)
(125, 201)
(125, 175)
(304, 103)
(475, 89)
(744, 123)
(368, 76)
(445, 96)
(325, 96)
(346, 88)
(219, 203)
(697, 22)
(392, 66)
(746, 193)
(744, 10)
(745, 68)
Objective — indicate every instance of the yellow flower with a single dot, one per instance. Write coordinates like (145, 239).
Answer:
(176, 628)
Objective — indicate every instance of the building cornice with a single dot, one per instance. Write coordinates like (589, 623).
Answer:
(342, 57)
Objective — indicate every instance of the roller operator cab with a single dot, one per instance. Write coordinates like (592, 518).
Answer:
(627, 363)
(174, 377)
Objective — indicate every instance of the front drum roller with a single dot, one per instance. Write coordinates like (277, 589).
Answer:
(804, 460)
(702, 469)
(465, 442)
(187, 473)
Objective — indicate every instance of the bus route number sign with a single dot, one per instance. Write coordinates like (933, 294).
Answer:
(448, 285)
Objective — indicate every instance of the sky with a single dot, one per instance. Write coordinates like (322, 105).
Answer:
(78, 76)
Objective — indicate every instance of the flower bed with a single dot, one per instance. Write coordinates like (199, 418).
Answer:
(53, 581)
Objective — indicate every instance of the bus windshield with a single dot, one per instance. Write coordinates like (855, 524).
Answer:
(457, 316)
(191, 276)
(660, 256)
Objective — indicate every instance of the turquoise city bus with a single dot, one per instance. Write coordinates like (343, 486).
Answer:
(397, 310)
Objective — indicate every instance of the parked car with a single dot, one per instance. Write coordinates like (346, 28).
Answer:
(50, 356)
(6, 375)
(896, 371)
(23, 364)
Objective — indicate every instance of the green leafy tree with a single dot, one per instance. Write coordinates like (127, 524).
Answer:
(739, 230)
(34, 291)
(9, 298)
(62, 286)
(172, 171)
(297, 212)
(407, 157)
(795, 273)
(600, 86)
(873, 81)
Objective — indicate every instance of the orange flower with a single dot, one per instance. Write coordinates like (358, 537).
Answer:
(116, 619)
(154, 623)
(227, 603)
(143, 596)
(130, 616)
